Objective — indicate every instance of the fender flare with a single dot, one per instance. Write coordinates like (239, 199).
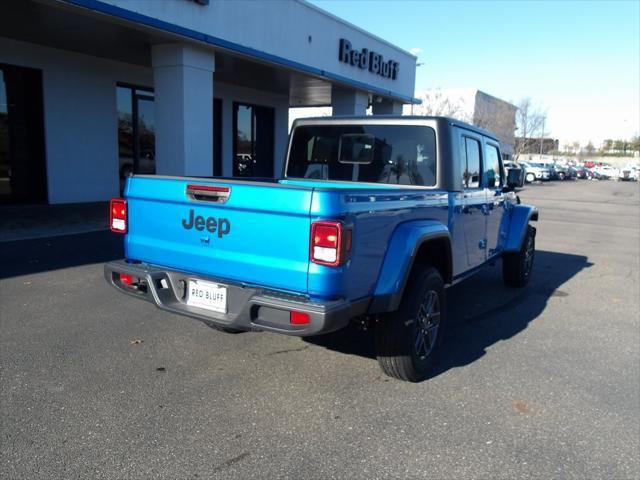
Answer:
(520, 217)
(403, 247)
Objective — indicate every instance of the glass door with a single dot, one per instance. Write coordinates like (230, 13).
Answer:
(253, 141)
(136, 131)
(145, 137)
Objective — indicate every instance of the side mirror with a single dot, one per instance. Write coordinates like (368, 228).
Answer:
(515, 179)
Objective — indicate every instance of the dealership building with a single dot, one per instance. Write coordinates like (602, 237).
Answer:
(94, 90)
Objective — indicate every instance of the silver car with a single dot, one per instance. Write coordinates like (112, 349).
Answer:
(535, 171)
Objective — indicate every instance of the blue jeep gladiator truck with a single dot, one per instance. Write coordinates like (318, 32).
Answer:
(372, 219)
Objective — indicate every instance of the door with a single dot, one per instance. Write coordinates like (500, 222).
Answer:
(217, 137)
(253, 141)
(145, 138)
(473, 201)
(494, 209)
(22, 159)
(136, 131)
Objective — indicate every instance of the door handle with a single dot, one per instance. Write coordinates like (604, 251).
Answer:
(208, 193)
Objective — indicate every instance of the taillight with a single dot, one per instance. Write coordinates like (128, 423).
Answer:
(299, 318)
(330, 243)
(118, 215)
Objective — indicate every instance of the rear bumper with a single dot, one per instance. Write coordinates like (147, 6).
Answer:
(248, 308)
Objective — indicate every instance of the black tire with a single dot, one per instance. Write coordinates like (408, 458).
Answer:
(407, 346)
(517, 267)
(561, 175)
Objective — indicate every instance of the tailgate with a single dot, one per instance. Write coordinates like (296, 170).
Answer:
(258, 234)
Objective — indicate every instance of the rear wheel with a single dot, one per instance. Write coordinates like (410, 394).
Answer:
(408, 340)
(561, 175)
(516, 267)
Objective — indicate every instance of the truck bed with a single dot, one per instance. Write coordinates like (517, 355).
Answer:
(259, 234)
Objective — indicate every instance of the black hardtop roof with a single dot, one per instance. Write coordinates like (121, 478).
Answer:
(440, 120)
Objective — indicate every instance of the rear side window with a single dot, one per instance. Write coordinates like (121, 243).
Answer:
(470, 163)
(395, 154)
(493, 172)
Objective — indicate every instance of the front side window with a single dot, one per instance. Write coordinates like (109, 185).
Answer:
(471, 163)
(493, 172)
(394, 154)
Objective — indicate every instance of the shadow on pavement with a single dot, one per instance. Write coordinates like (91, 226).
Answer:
(25, 257)
(20, 222)
(482, 311)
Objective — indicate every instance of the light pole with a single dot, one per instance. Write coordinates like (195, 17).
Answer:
(542, 137)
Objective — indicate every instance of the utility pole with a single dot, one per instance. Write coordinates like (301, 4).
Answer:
(542, 137)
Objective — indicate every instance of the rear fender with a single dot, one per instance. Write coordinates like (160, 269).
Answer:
(520, 217)
(401, 254)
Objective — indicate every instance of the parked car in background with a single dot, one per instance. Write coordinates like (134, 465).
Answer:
(626, 174)
(593, 174)
(564, 173)
(535, 171)
(606, 171)
(581, 172)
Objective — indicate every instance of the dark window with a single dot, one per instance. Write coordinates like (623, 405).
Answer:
(5, 164)
(22, 149)
(493, 172)
(253, 141)
(217, 137)
(136, 131)
(397, 154)
(470, 163)
(245, 141)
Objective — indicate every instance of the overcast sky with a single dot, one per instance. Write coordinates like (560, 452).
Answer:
(579, 60)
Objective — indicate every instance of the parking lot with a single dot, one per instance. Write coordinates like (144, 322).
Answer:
(540, 382)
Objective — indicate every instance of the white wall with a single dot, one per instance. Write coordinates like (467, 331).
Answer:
(282, 28)
(80, 118)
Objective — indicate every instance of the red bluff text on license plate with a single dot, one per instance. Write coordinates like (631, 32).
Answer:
(207, 295)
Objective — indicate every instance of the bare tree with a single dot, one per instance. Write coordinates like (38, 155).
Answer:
(436, 104)
(529, 125)
(576, 147)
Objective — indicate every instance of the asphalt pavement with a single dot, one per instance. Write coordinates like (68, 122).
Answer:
(542, 382)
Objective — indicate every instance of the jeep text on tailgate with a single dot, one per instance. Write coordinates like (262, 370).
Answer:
(372, 219)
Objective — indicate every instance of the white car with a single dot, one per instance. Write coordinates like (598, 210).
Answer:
(629, 173)
(535, 171)
(606, 171)
(625, 174)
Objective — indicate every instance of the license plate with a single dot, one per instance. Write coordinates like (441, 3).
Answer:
(207, 295)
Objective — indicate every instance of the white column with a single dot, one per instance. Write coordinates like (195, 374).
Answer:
(183, 82)
(386, 107)
(349, 102)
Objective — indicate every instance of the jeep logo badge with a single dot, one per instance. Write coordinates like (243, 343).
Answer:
(221, 225)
